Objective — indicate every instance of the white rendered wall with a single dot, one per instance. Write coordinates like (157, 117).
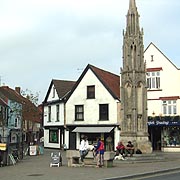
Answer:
(91, 106)
(169, 78)
(53, 115)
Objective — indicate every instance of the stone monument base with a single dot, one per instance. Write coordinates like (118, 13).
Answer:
(140, 141)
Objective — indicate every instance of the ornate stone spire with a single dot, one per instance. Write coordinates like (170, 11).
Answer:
(133, 84)
(132, 27)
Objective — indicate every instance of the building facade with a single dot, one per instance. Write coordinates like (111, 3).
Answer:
(163, 100)
(93, 108)
(55, 134)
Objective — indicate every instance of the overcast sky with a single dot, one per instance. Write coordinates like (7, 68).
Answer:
(41, 40)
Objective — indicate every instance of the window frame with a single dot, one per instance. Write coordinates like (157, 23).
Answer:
(91, 92)
(49, 113)
(56, 131)
(57, 113)
(79, 113)
(153, 80)
(103, 112)
(169, 107)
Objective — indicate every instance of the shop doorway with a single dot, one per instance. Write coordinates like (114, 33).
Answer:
(72, 140)
(155, 137)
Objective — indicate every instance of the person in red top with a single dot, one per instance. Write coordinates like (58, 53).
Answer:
(99, 148)
(120, 149)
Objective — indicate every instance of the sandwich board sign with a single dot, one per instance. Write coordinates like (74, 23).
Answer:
(32, 150)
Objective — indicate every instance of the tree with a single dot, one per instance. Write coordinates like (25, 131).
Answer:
(31, 96)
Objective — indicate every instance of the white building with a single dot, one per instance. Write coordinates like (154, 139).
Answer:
(93, 108)
(163, 100)
(53, 121)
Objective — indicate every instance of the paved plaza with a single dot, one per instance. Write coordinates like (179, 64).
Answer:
(37, 168)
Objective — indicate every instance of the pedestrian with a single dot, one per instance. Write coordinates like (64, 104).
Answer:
(129, 149)
(83, 149)
(109, 143)
(99, 149)
(120, 149)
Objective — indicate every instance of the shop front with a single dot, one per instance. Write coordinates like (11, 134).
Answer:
(109, 134)
(165, 133)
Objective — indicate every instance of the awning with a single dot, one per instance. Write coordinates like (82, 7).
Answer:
(93, 129)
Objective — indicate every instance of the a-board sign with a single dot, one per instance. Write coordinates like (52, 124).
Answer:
(55, 157)
(32, 150)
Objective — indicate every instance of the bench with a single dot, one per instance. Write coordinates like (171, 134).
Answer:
(73, 157)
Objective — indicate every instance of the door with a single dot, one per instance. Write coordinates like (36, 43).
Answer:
(72, 140)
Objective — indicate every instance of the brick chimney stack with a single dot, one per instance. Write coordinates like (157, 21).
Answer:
(18, 90)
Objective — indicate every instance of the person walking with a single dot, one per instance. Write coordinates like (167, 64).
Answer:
(99, 149)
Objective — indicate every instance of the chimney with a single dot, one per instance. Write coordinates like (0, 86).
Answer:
(18, 90)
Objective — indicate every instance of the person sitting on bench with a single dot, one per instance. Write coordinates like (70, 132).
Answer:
(129, 149)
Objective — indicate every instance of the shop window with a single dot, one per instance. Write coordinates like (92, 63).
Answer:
(171, 136)
(169, 107)
(153, 80)
(90, 92)
(79, 113)
(53, 136)
(103, 112)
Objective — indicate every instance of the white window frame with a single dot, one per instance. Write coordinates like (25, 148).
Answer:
(153, 80)
(169, 107)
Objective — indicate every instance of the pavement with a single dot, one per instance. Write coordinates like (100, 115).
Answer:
(38, 168)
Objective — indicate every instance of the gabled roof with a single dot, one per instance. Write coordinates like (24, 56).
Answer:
(152, 44)
(110, 81)
(2, 102)
(63, 87)
(3, 99)
(29, 110)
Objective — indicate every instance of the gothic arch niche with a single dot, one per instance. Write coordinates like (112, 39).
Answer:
(139, 106)
(133, 55)
(140, 97)
(128, 89)
(128, 104)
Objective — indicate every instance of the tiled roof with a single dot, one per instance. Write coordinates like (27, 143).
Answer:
(2, 102)
(29, 111)
(111, 81)
(63, 87)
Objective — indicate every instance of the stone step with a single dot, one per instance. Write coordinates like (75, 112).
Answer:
(141, 158)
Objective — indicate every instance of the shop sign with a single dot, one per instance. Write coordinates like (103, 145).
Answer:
(163, 123)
